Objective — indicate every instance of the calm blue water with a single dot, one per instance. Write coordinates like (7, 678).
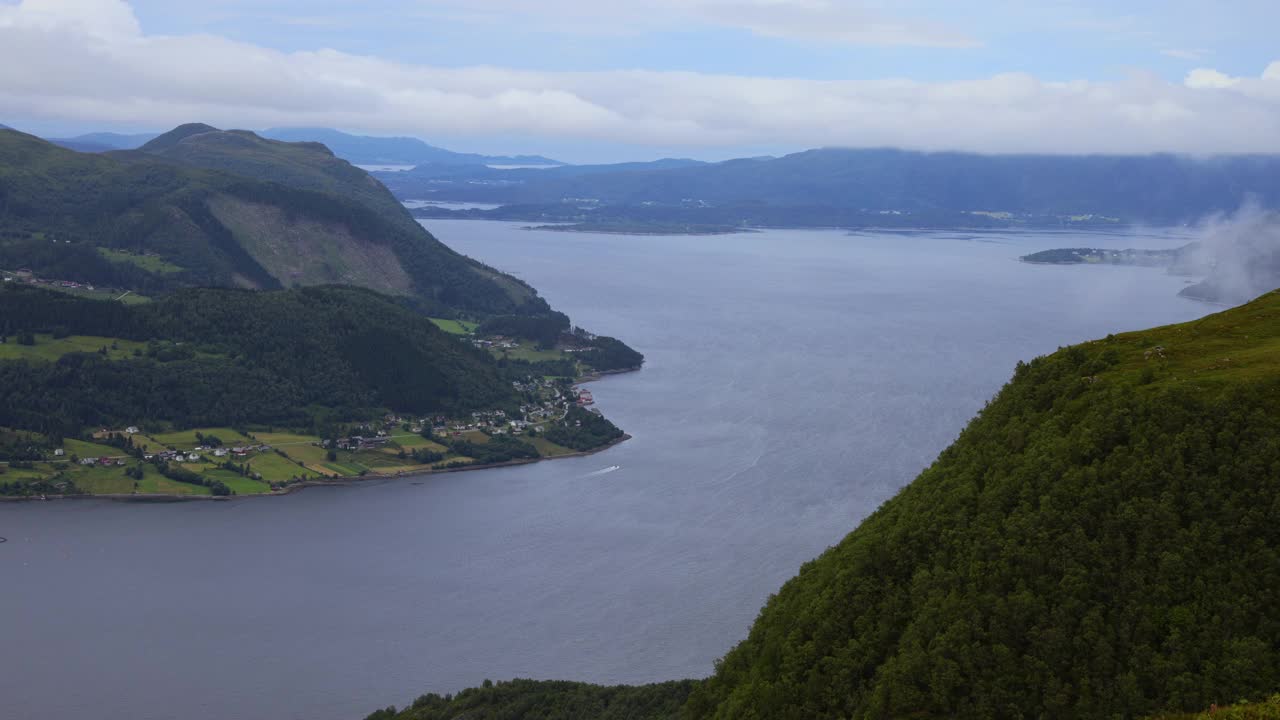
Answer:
(796, 379)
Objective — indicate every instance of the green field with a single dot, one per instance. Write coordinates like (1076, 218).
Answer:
(416, 442)
(88, 449)
(275, 439)
(546, 448)
(529, 351)
(48, 348)
(157, 484)
(240, 484)
(185, 439)
(454, 327)
(346, 469)
(148, 444)
(150, 263)
(274, 468)
(306, 453)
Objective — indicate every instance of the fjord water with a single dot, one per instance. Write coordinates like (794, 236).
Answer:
(795, 380)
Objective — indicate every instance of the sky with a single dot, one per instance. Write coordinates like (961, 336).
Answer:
(608, 80)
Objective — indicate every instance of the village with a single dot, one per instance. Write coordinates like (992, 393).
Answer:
(137, 461)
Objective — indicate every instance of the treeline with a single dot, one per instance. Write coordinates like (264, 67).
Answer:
(583, 430)
(544, 329)
(499, 449)
(611, 354)
(180, 474)
(548, 700)
(300, 358)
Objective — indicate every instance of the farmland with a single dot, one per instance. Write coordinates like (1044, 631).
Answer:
(48, 348)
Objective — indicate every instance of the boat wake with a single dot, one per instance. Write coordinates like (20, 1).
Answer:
(603, 471)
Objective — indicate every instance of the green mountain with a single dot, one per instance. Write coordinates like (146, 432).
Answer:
(209, 357)
(1102, 541)
(228, 209)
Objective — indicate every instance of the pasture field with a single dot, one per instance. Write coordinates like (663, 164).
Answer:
(275, 439)
(307, 453)
(546, 448)
(241, 485)
(48, 348)
(87, 449)
(529, 351)
(186, 439)
(454, 327)
(150, 263)
(413, 441)
(274, 468)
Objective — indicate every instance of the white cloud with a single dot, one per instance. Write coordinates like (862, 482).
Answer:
(1202, 78)
(854, 22)
(1184, 54)
(91, 63)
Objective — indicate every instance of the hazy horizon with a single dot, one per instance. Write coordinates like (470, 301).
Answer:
(708, 79)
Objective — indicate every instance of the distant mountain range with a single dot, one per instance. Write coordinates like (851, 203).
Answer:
(104, 141)
(366, 150)
(857, 188)
(355, 149)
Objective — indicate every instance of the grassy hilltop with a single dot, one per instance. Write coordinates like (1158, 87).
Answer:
(1102, 541)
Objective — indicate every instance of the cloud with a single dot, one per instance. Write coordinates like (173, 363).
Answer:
(1202, 78)
(833, 21)
(1185, 54)
(87, 60)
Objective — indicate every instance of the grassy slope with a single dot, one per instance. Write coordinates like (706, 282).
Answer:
(48, 348)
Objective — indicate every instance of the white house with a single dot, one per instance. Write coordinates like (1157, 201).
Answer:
(132, 430)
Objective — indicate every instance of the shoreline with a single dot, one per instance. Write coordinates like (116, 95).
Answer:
(338, 482)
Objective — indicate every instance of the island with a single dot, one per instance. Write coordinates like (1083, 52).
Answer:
(1102, 256)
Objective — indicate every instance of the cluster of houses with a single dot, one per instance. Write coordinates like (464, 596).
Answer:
(360, 442)
(27, 276)
(104, 461)
(498, 342)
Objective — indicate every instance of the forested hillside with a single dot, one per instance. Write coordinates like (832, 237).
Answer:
(1102, 541)
(206, 357)
(548, 700)
(228, 209)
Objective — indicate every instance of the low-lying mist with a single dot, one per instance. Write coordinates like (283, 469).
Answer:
(1238, 255)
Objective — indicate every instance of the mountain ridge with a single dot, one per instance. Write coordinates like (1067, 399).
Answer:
(229, 208)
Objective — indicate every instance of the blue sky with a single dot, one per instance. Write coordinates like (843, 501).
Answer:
(706, 78)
